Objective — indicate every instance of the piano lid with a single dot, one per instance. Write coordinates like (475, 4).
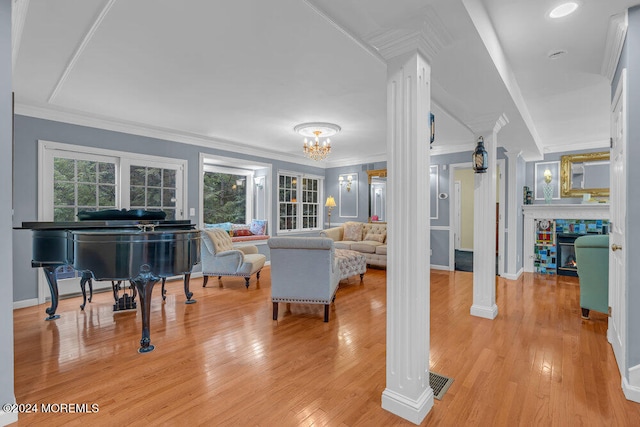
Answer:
(86, 225)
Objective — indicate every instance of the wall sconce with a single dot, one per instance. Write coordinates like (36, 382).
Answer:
(480, 157)
(331, 203)
(258, 182)
(348, 182)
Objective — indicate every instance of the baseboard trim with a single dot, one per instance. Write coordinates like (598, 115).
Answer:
(7, 418)
(25, 303)
(485, 312)
(411, 410)
(440, 267)
(513, 276)
(630, 392)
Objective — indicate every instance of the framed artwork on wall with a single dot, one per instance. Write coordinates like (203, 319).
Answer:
(547, 181)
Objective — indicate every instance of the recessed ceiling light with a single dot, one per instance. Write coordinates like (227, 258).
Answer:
(563, 10)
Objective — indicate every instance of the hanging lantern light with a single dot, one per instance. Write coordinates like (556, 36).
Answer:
(480, 157)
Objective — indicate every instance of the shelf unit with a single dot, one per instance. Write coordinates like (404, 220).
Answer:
(545, 250)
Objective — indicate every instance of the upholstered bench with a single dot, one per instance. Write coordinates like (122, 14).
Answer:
(351, 263)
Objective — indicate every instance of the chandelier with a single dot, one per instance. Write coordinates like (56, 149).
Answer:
(314, 148)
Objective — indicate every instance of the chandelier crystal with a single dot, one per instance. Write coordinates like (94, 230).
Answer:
(315, 149)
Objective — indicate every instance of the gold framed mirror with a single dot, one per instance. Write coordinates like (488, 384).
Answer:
(586, 173)
(377, 195)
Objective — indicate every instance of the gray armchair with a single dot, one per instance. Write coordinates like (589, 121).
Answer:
(220, 258)
(303, 270)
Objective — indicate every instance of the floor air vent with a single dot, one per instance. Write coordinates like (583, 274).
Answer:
(440, 384)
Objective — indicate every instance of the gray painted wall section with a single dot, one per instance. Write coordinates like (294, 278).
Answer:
(332, 187)
(6, 254)
(633, 190)
(29, 130)
(530, 175)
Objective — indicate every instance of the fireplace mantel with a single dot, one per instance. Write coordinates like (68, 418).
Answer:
(578, 211)
(533, 212)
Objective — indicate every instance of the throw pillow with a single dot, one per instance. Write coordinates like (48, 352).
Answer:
(353, 231)
(242, 232)
(258, 227)
(226, 226)
(375, 237)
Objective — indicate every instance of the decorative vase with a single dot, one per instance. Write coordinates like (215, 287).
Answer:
(548, 193)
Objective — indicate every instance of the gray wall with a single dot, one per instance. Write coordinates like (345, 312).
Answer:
(332, 188)
(29, 130)
(6, 255)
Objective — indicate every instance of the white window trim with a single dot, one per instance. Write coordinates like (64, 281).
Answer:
(46, 149)
(237, 163)
(300, 175)
(46, 153)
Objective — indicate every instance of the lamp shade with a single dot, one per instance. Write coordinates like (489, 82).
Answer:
(331, 202)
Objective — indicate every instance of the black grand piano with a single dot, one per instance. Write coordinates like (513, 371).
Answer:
(132, 247)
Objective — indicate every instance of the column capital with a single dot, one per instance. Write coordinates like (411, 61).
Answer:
(502, 121)
(427, 35)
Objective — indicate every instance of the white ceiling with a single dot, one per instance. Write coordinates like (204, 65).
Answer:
(240, 75)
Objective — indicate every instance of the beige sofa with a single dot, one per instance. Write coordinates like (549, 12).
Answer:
(368, 238)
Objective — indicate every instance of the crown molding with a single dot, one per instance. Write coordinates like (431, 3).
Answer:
(616, 35)
(80, 49)
(133, 128)
(357, 40)
(357, 161)
(18, 16)
(429, 37)
(575, 146)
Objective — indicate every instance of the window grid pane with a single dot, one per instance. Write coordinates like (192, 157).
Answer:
(75, 187)
(298, 207)
(153, 188)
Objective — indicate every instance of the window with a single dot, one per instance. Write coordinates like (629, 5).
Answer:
(79, 185)
(77, 178)
(226, 195)
(153, 188)
(299, 202)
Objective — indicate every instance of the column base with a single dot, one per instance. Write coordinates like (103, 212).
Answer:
(484, 311)
(409, 409)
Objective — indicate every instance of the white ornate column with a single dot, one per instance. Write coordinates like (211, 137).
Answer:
(407, 393)
(484, 232)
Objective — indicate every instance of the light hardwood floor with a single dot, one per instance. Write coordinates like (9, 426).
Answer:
(223, 361)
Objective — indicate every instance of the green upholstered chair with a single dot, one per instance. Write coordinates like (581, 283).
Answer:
(592, 256)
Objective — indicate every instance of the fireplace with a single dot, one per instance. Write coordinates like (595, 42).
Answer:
(567, 265)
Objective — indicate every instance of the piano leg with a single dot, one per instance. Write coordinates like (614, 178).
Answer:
(188, 293)
(144, 283)
(86, 278)
(50, 272)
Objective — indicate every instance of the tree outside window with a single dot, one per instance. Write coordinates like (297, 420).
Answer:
(224, 198)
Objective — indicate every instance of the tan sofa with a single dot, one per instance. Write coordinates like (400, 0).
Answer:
(369, 239)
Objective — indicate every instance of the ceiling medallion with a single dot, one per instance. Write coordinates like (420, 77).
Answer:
(314, 149)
